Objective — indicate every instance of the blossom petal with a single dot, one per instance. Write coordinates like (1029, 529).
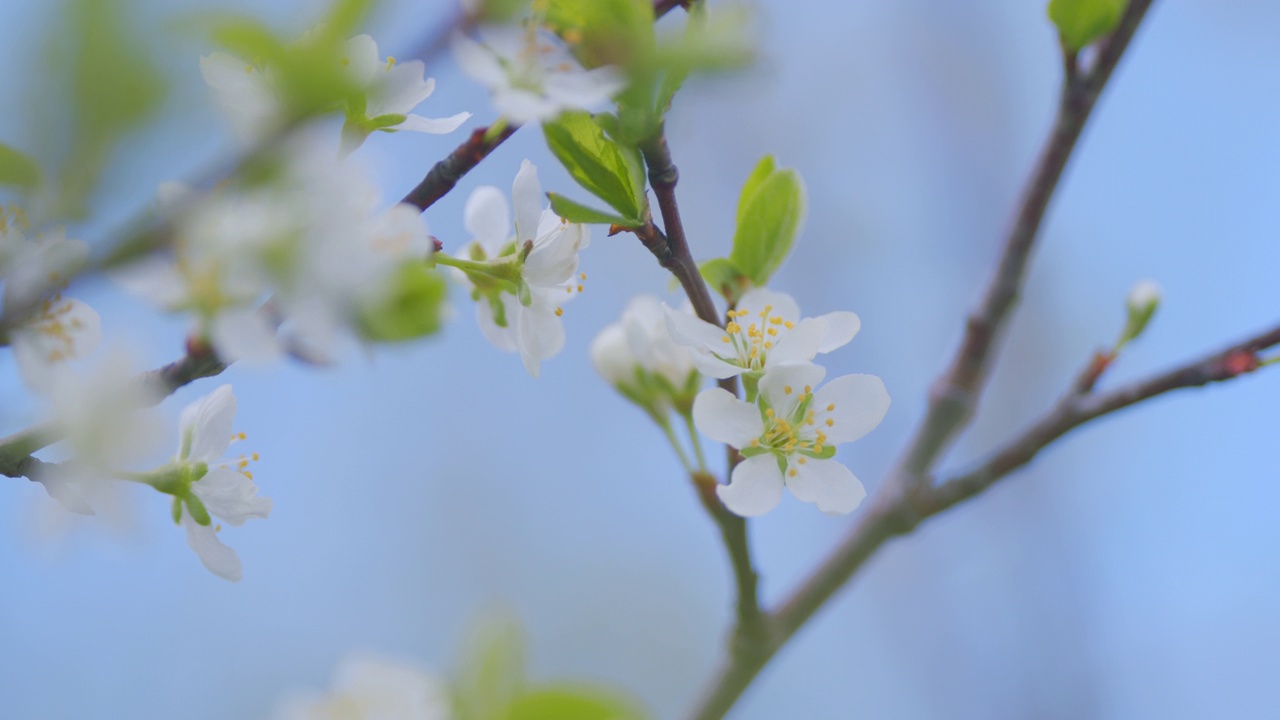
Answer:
(841, 327)
(65, 491)
(800, 343)
(584, 88)
(433, 126)
(827, 483)
(231, 496)
(755, 487)
(488, 218)
(522, 107)
(693, 331)
(780, 304)
(611, 355)
(361, 56)
(244, 335)
(477, 61)
(400, 89)
(858, 403)
(218, 558)
(244, 96)
(724, 418)
(503, 338)
(208, 420)
(70, 329)
(554, 258)
(526, 196)
(540, 335)
(782, 386)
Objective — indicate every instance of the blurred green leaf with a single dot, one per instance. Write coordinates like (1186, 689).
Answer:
(605, 32)
(574, 702)
(1081, 22)
(579, 213)
(491, 675)
(770, 212)
(724, 277)
(409, 307)
(610, 171)
(18, 169)
(113, 89)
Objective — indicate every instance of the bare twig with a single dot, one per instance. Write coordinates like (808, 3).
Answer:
(906, 497)
(955, 394)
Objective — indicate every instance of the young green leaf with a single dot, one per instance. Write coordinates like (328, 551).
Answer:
(492, 674)
(724, 277)
(409, 307)
(578, 213)
(18, 169)
(1081, 22)
(770, 213)
(574, 703)
(610, 171)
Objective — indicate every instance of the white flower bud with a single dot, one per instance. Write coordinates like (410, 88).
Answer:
(612, 357)
(1142, 302)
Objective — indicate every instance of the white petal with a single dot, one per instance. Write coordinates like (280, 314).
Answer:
(540, 335)
(218, 558)
(800, 343)
(399, 89)
(554, 258)
(66, 492)
(477, 61)
(724, 418)
(231, 496)
(841, 327)
(584, 89)
(523, 107)
(155, 278)
(796, 376)
(245, 335)
(503, 338)
(611, 355)
(68, 330)
(695, 332)
(860, 403)
(755, 487)
(244, 96)
(826, 483)
(433, 126)
(526, 195)
(488, 218)
(208, 420)
(361, 54)
(781, 305)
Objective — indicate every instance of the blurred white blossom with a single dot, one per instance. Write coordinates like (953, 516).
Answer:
(531, 75)
(370, 687)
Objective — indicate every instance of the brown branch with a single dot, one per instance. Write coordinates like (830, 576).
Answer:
(906, 498)
(954, 396)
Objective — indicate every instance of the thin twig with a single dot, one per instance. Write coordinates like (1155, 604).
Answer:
(954, 396)
(906, 497)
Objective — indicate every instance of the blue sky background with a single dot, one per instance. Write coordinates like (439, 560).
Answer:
(1131, 572)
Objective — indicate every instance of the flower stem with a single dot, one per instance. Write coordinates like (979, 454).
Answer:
(696, 441)
(675, 445)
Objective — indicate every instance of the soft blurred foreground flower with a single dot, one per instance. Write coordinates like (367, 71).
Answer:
(637, 356)
(203, 486)
(764, 330)
(254, 106)
(520, 283)
(370, 687)
(531, 75)
(788, 438)
(312, 238)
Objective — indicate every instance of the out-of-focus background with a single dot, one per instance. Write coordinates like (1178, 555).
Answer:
(1132, 572)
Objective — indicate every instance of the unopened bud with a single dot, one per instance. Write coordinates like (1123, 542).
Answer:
(1142, 302)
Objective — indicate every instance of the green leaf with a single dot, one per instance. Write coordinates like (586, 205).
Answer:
(574, 702)
(725, 278)
(408, 308)
(578, 213)
(1081, 22)
(605, 32)
(18, 169)
(610, 171)
(770, 213)
(491, 675)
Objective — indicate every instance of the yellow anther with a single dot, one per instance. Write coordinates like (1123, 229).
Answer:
(248, 69)
(808, 389)
(559, 312)
(791, 472)
(830, 422)
(768, 345)
(769, 412)
(755, 442)
(248, 474)
(734, 328)
(217, 528)
(775, 320)
(802, 460)
(773, 332)
(391, 62)
(831, 407)
(787, 389)
(257, 457)
(568, 290)
(789, 324)
(582, 276)
(726, 339)
(579, 288)
(765, 312)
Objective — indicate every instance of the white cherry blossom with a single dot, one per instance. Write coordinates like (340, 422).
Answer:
(789, 436)
(639, 341)
(548, 246)
(221, 490)
(531, 75)
(371, 687)
(764, 330)
(61, 329)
